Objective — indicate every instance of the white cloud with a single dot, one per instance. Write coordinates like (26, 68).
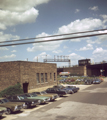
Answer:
(8, 56)
(93, 41)
(65, 47)
(74, 58)
(77, 10)
(104, 17)
(5, 37)
(94, 8)
(99, 54)
(3, 48)
(99, 51)
(87, 47)
(13, 12)
(98, 39)
(13, 51)
(81, 25)
(57, 51)
(41, 56)
(44, 46)
(20, 5)
(17, 17)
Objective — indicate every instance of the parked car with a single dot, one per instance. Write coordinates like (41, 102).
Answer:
(22, 98)
(88, 81)
(79, 80)
(96, 81)
(57, 91)
(71, 80)
(62, 80)
(73, 88)
(2, 110)
(44, 93)
(63, 76)
(35, 96)
(11, 106)
(69, 91)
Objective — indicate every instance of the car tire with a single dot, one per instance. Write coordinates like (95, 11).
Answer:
(8, 111)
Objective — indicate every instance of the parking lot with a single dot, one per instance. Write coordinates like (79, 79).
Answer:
(27, 112)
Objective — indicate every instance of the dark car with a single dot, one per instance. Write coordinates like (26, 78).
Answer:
(96, 81)
(73, 88)
(88, 81)
(23, 98)
(69, 91)
(62, 80)
(57, 91)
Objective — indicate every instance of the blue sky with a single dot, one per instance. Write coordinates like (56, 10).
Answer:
(36, 18)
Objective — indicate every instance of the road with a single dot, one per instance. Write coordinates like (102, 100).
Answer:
(87, 104)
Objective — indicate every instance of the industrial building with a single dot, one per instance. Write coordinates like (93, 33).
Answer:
(85, 68)
(30, 74)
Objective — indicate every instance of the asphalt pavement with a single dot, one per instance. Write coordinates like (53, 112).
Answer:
(90, 103)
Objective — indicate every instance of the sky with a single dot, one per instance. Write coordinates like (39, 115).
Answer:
(22, 19)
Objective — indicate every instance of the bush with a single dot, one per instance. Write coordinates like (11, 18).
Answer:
(12, 90)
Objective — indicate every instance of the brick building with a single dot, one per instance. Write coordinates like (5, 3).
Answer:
(76, 70)
(30, 74)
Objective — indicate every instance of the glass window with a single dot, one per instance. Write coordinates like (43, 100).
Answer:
(42, 80)
(54, 77)
(46, 77)
(37, 78)
(50, 76)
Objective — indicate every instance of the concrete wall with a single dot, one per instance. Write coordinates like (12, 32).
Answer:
(25, 72)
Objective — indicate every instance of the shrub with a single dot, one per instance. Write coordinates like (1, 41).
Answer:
(12, 90)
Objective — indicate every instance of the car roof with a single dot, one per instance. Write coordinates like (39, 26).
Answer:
(2, 98)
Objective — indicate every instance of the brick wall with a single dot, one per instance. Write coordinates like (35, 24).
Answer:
(9, 74)
(77, 70)
(25, 72)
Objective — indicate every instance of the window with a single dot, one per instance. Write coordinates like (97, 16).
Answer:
(42, 80)
(54, 77)
(50, 76)
(37, 78)
(46, 77)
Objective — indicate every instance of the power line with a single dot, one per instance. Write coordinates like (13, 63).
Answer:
(52, 36)
(54, 39)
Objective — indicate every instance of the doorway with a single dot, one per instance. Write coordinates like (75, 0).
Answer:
(25, 87)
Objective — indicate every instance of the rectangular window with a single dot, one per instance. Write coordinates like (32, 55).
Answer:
(42, 80)
(50, 76)
(46, 77)
(54, 77)
(37, 78)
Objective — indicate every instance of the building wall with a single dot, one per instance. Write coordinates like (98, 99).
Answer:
(29, 70)
(9, 74)
(77, 70)
(26, 72)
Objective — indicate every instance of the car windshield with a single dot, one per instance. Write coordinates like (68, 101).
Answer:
(33, 95)
(43, 92)
(4, 101)
(71, 87)
(23, 97)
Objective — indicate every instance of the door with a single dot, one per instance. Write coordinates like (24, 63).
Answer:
(25, 87)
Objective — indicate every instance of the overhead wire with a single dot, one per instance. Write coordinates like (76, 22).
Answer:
(52, 36)
(58, 39)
